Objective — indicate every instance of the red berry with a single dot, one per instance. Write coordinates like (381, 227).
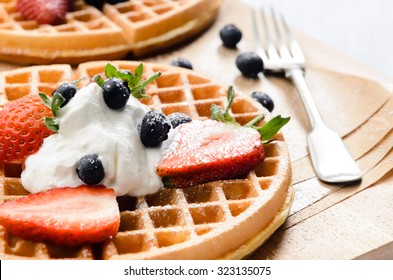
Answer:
(63, 216)
(44, 12)
(208, 150)
(22, 128)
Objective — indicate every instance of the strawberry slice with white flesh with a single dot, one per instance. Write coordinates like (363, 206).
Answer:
(218, 149)
(209, 150)
(63, 216)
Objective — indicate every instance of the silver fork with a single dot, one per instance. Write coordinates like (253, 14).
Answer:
(331, 160)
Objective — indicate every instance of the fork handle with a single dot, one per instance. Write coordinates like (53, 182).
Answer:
(331, 160)
(297, 77)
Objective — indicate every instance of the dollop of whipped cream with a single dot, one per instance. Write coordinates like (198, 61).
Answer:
(89, 126)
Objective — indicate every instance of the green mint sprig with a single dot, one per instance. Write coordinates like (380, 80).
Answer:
(267, 131)
(135, 81)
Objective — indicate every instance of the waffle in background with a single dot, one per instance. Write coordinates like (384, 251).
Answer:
(139, 26)
(152, 25)
(222, 219)
(18, 83)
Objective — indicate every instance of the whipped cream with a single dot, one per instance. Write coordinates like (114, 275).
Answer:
(89, 126)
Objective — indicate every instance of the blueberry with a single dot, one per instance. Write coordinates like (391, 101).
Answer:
(127, 203)
(177, 119)
(154, 129)
(96, 3)
(230, 36)
(182, 62)
(249, 64)
(67, 91)
(116, 93)
(264, 99)
(90, 169)
(113, 2)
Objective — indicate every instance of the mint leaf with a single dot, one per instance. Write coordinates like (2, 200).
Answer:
(110, 71)
(46, 100)
(139, 91)
(135, 81)
(125, 75)
(138, 74)
(268, 130)
(139, 70)
(52, 124)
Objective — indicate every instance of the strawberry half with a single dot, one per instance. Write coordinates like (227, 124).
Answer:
(64, 216)
(208, 150)
(44, 11)
(22, 128)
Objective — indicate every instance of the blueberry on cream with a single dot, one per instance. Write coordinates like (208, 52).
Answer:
(90, 170)
(95, 144)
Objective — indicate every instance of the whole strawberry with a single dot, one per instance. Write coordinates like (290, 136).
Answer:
(44, 11)
(22, 128)
(63, 216)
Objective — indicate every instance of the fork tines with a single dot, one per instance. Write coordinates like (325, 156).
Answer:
(274, 41)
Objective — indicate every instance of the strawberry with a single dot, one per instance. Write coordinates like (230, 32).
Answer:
(218, 149)
(63, 216)
(44, 11)
(22, 128)
(208, 150)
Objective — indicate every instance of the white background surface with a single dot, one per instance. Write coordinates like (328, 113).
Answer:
(362, 29)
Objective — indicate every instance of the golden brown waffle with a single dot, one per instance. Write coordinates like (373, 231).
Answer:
(152, 25)
(222, 219)
(24, 81)
(140, 26)
(86, 35)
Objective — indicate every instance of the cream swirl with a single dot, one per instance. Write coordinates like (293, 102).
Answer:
(88, 126)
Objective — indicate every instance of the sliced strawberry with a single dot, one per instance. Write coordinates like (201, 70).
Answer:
(64, 216)
(208, 150)
(44, 12)
(22, 128)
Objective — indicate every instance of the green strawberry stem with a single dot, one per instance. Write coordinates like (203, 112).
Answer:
(98, 80)
(267, 131)
(46, 100)
(54, 104)
(57, 100)
(255, 121)
(78, 80)
(224, 116)
(52, 124)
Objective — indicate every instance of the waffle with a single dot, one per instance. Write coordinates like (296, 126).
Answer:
(224, 219)
(137, 26)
